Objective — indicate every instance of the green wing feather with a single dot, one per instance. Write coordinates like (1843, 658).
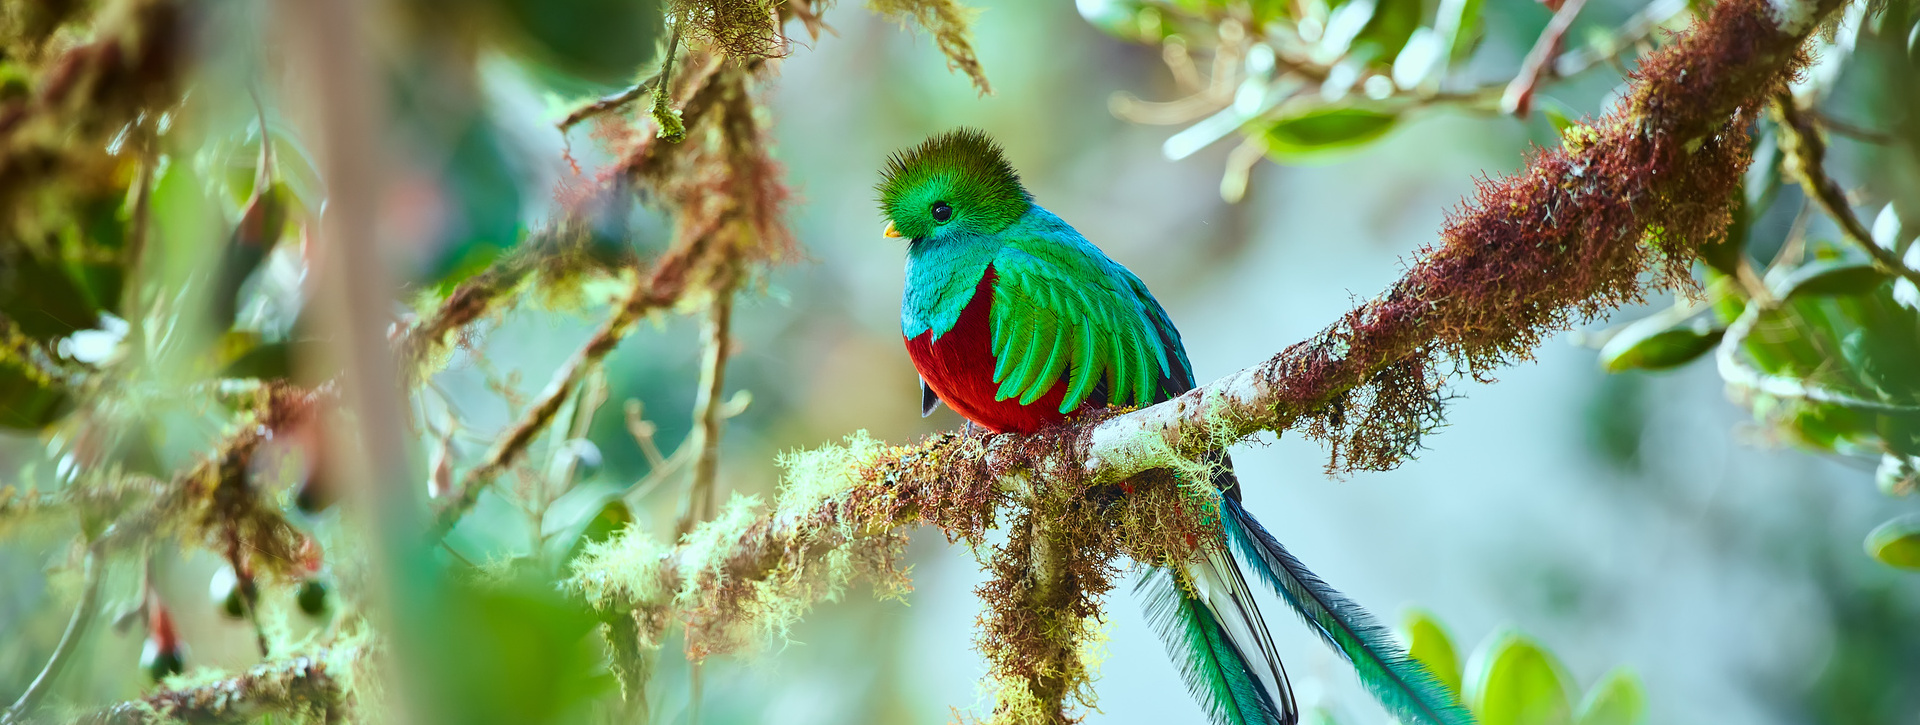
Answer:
(1061, 307)
(1220, 679)
(1408, 690)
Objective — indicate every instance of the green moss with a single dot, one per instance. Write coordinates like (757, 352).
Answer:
(623, 569)
(813, 476)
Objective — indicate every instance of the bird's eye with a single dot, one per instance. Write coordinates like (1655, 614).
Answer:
(942, 212)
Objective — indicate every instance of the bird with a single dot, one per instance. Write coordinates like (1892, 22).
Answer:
(1017, 322)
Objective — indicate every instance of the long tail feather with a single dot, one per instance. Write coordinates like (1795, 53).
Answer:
(1407, 689)
(1217, 668)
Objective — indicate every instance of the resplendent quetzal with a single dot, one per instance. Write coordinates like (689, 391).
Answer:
(1017, 322)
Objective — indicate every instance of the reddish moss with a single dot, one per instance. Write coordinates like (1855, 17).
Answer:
(1564, 241)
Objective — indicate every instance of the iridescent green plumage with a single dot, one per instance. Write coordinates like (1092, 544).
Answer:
(1218, 675)
(1047, 314)
(1060, 306)
(1403, 685)
(1059, 310)
(964, 168)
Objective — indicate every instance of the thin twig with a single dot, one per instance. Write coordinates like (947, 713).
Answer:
(1802, 143)
(649, 292)
(608, 103)
(1539, 66)
(642, 431)
(1855, 132)
(1626, 37)
(707, 416)
(69, 641)
(469, 301)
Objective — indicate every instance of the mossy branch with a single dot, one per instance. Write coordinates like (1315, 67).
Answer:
(215, 504)
(309, 685)
(1565, 240)
(1621, 207)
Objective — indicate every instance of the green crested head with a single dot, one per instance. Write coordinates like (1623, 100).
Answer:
(958, 181)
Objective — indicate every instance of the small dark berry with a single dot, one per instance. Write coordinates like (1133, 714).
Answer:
(161, 663)
(313, 597)
(316, 493)
(236, 594)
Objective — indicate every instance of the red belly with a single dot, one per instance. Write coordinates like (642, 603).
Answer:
(959, 368)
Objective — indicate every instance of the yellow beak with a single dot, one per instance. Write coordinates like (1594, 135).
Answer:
(892, 232)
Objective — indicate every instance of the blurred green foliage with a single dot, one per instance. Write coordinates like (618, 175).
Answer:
(1510, 679)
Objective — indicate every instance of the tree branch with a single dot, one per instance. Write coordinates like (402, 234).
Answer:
(83, 614)
(1539, 64)
(1803, 145)
(649, 292)
(607, 104)
(699, 504)
(216, 501)
(304, 685)
(1558, 243)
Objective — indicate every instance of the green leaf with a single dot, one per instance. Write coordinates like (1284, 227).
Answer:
(186, 224)
(1897, 542)
(1322, 131)
(505, 652)
(1458, 24)
(27, 402)
(1651, 344)
(1559, 114)
(1833, 279)
(1618, 699)
(1265, 11)
(1428, 642)
(1726, 296)
(1884, 361)
(473, 260)
(40, 297)
(484, 199)
(609, 520)
(1513, 681)
(1826, 427)
(102, 237)
(1393, 22)
(265, 361)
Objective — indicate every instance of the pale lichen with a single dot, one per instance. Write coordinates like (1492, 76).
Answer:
(751, 571)
(816, 474)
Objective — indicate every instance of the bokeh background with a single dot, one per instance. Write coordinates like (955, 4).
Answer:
(1635, 519)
